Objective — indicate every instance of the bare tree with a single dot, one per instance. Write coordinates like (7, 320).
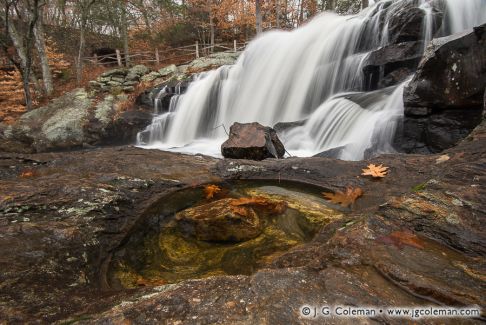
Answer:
(40, 44)
(24, 42)
(84, 8)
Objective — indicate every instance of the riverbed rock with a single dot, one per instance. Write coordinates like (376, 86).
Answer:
(219, 221)
(252, 141)
(414, 239)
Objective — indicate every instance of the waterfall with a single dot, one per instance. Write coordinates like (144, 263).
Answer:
(313, 73)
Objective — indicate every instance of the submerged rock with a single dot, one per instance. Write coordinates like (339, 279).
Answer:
(219, 221)
(252, 141)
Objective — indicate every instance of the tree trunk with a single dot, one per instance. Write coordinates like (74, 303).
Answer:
(212, 29)
(24, 51)
(44, 60)
(258, 12)
(364, 4)
(125, 32)
(79, 60)
(277, 13)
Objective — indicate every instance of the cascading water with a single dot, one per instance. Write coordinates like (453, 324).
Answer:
(313, 73)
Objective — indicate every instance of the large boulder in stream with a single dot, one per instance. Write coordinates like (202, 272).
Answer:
(252, 141)
(220, 221)
(452, 73)
(444, 100)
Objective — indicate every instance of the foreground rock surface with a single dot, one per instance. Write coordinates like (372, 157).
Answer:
(415, 238)
(252, 141)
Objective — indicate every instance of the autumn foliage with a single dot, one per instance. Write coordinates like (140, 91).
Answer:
(375, 171)
(345, 198)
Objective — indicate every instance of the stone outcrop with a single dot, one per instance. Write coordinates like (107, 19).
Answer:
(252, 141)
(444, 100)
(452, 73)
(218, 221)
(74, 120)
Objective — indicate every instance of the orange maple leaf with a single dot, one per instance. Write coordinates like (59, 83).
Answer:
(344, 198)
(211, 190)
(375, 171)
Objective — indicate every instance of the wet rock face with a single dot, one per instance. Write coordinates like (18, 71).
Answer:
(406, 24)
(444, 100)
(452, 73)
(435, 131)
(392, 64)
(252, 141)
(218, 221)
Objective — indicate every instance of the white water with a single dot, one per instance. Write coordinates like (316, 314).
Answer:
(309, 73)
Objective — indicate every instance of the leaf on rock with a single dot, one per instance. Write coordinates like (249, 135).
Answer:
(27, 174)
(346, 198)
(211, 190)
(375, 171)
(442, 159)
(402, 238)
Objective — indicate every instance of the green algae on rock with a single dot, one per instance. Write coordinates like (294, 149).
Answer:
(208, 239)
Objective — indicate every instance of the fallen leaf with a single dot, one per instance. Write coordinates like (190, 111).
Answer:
(375, 171)
(402, 238)
(344, 198)
(442, 158)
(211, 190)
(27, 173)
(142, 282)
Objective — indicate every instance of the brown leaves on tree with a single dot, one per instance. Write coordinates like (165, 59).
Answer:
(402, 238)
(269, 206)
(211, 190)
(375, 171)
(346, 198)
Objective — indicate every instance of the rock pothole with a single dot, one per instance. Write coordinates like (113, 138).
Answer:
(240, 229)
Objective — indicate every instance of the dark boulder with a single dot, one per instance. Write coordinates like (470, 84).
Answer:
(444, 100)
(392, 64)
(452, 72)
(437, 131)
(252, 141)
